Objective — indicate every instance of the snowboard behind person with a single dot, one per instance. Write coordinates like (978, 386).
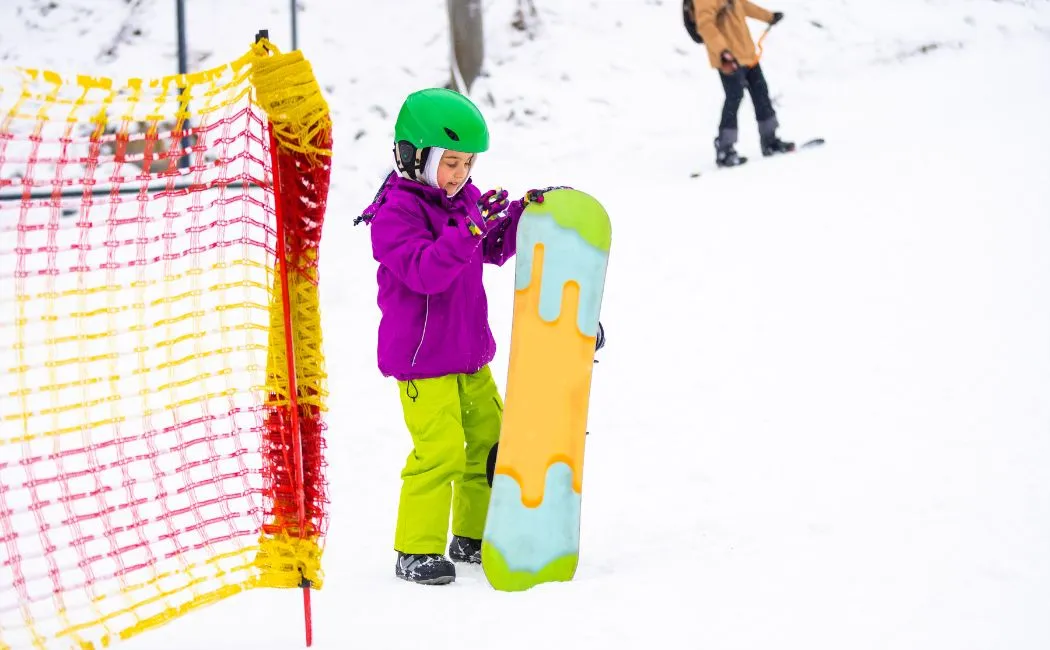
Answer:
(731, 50)
(432, 231)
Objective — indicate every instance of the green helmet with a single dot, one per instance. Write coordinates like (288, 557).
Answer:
(437, 117)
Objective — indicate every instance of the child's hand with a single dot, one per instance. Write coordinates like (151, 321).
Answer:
(536, 196)
(493, 203)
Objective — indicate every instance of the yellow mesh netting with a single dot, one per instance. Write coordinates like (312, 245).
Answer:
(144, 400)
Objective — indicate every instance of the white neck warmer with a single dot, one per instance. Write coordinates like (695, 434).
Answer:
(430, 170)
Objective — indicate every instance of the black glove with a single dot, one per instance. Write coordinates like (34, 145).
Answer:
(729, 64)
(777, 17)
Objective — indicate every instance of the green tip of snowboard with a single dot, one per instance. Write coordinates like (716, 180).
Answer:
(578, 211)
(503, 578)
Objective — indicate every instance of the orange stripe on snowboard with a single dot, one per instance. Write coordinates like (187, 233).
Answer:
(542, 403)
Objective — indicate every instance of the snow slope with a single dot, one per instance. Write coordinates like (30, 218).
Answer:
(822, 420)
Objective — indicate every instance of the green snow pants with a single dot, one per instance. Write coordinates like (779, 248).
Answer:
(454, 421)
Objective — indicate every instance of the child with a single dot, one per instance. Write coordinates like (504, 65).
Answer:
(432, 230)
(723, 26)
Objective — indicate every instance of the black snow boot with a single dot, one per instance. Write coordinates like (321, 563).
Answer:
(465, 549)
(774, 145)
(725, 153)
(771, 144)
(430, 569)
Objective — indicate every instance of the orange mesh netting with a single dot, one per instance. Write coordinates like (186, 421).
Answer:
(154, 287)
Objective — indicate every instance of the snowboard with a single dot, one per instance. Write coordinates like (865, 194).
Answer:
(532, 530)
(808, 144)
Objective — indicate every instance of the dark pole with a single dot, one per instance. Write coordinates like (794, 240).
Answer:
(180, 21)
(295, 28)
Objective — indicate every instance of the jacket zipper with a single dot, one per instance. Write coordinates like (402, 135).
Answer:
(426, 317)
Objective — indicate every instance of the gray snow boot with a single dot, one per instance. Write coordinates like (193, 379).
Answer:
(725, 152)
(430, 569)
(465, 549)
(771, 144)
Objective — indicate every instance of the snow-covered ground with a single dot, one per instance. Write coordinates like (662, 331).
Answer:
(822, 420)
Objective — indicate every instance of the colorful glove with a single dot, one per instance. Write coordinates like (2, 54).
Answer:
(493, 203)
(536, 196)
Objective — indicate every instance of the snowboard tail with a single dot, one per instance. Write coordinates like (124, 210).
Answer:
(532, 530)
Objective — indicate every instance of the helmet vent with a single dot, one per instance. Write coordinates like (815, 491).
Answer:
(452, 134)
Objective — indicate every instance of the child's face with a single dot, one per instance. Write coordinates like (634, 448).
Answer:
(453, 170)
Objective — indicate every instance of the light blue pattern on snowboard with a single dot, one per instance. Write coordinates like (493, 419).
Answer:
(530, 538)
(567, 256)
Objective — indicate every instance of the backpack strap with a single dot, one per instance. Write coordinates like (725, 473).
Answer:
(689, 18)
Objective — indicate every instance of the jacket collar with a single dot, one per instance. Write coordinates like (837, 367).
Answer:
(433, 195)
(429, 194)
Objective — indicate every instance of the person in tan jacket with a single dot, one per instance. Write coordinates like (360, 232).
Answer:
(723, 26)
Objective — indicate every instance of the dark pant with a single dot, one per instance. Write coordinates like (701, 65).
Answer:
(734, 84)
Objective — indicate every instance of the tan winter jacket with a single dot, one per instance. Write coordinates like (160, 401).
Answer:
(723, 24)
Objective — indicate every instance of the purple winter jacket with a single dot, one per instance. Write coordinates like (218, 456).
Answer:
(434, 309)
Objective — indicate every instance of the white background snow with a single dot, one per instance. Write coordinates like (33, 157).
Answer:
(822, 420)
